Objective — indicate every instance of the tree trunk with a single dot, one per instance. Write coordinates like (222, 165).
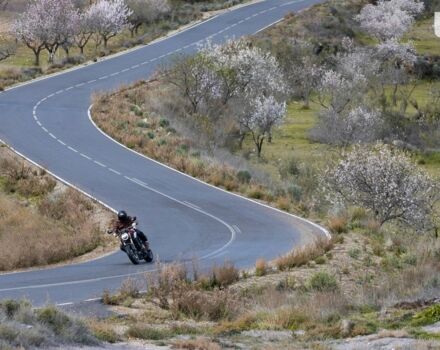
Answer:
(241, 140)
(259, 145)
(37, 57)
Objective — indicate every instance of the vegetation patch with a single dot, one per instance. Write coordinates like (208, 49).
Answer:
(36, 208)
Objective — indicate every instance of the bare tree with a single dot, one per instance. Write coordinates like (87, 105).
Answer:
(146, 11)
(194, 78)
(83, 31)
(7, 51)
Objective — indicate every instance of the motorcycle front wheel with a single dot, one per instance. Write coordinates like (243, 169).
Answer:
(132, 255)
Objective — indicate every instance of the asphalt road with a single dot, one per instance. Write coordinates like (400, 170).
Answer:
(47, 121)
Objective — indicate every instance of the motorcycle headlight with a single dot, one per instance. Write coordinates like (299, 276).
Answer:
(124, 236)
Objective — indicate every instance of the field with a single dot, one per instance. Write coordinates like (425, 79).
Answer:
(42, 221)
(423, 37)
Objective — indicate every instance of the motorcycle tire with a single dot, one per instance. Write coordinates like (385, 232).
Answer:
(149, 256)
(132, 255)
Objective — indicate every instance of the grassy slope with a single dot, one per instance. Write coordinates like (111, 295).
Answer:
(423, 37)
(33, 207)
(291, 139)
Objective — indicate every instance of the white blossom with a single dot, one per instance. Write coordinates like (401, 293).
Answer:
(46, 24)
(392, 50)
(386, 182)
(245, 70)
(358, 125)
(389, 19)
(108, 18)
(263, 114)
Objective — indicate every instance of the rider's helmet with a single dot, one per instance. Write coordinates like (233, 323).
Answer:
(122, 216)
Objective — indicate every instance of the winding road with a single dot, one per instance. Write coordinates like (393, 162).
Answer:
(47, 121)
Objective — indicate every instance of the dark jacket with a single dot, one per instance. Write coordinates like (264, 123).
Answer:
(121, 225)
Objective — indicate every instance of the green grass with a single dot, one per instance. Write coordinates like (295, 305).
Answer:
(292, 139)
(423, 37)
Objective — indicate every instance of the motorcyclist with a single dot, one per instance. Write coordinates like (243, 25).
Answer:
(124, 221)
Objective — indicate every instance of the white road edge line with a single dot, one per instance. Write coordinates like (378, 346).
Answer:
(114, 171)
(269, 25)
(100, 164)
(85, 156)
(224, 223)
(193, 205)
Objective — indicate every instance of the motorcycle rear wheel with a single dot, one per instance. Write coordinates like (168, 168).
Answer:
(132, 255)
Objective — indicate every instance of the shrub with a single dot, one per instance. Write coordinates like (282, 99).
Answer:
(256, 193)
(301, 256)
(196, 344)
(289, 167)
(295, 192)
(164, 123)
(225, 275)
(283, 203)
(354, 253)
(20, 178)
(104, 332)
(428, 316)
(148, 333)
(320, 260)
(261, 267)
(212, 305)
(337, 224)
(143, 124)
(10, 307)
(244, 176)
(323, 282)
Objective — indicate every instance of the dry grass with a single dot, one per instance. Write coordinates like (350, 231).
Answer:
(302, 256)
(202, 297)
(52, 225)
(23, 327)
(261, 267)
(196, 344)
(337, 224)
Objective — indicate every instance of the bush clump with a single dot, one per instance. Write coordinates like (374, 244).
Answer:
(323, 282)
(428, 316)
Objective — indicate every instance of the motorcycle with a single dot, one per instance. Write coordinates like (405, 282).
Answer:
(132, 246)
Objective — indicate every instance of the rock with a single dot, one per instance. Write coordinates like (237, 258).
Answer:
(346, 327)
(433, 328)
(299, 333)
(268, 335)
